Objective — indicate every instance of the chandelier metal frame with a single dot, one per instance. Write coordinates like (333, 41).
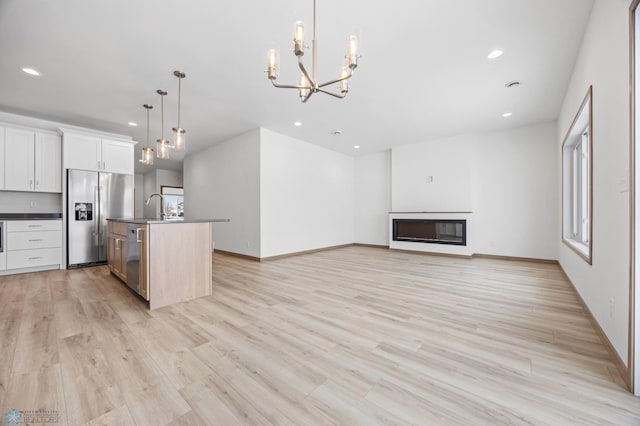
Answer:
(308, 84)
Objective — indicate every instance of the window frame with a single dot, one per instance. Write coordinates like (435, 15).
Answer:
(577, 170)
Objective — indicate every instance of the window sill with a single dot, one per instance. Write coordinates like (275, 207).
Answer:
(581, 249)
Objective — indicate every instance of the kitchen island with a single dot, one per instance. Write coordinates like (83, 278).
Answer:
(164, 261)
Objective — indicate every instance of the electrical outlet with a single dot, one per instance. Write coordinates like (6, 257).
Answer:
(248, 244)
(429, 179)
(612, 308)
(33, 203)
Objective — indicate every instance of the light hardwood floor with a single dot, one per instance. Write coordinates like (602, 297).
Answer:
(356, 335)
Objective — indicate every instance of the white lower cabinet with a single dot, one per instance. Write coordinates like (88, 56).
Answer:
(19, 259)
(33, 243)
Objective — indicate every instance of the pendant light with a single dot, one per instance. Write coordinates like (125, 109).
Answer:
(179, 134)
(147, 152)
(162, 144)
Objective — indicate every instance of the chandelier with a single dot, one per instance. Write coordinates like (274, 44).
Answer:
(308, 82)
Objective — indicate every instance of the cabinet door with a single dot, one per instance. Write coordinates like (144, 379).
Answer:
(18, 160)
(81, 152)
(48, 160)
(117, 157)
(115, 256)
(111, 253)
(1, 159)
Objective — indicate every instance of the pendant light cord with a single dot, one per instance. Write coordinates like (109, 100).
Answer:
(162, 116)
(179, 91)
(147, 127)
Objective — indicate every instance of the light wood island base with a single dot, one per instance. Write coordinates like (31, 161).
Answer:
(174, 259)
(179, 262)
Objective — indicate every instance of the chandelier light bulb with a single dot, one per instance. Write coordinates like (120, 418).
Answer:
(304, 82)
(298, 38)
(353, 51)
(344, 84)
(273, 63)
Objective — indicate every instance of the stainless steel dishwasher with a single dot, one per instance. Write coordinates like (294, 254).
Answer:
(133, 256)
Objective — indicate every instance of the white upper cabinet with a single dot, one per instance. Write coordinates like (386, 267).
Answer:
(1, 158)
(82, 152)
(19, 160)
(32, 161)
(48, 158)
(87, 152)
(117, 157)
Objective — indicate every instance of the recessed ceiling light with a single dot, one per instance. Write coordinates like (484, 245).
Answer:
(356, 147)
(297, 123)
(132, 124)
(31, 71)
(513, 84)
(336, 132)
(507, 114)
(494, 54)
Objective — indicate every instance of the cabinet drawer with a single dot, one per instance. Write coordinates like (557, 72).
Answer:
(30, 258)
(119, 228)
(34, 225)
(33, 240)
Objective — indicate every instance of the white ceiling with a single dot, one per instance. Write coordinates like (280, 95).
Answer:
(424, 72)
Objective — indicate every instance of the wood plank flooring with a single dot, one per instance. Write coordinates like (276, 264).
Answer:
(356, 335)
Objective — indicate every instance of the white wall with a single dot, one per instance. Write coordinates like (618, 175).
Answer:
(149, 187)
(515, 193)
(224, 182)
(508, 179)
(603, 62)
(307, 195)
(372, 198)
(138, 199)
(448, 161)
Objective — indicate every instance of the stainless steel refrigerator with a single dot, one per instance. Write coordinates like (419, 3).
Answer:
(92, 197)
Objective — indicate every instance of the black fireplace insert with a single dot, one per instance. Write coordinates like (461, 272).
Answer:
(436, 231)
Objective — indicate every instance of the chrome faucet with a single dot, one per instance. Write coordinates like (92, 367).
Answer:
(163, 215)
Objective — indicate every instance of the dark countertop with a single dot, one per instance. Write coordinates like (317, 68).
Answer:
(148, 220)
(30, 216)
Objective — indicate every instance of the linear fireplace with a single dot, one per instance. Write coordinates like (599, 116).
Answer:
(438, 231)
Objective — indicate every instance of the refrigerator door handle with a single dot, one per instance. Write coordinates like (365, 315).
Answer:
(97, 235)
(95, 216)
(104, 200)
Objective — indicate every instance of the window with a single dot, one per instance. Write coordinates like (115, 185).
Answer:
(576, 182)
(172, 201)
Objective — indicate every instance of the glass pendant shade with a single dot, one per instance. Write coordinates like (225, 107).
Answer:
(162, 146)
(147, 156)
(179, 138)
